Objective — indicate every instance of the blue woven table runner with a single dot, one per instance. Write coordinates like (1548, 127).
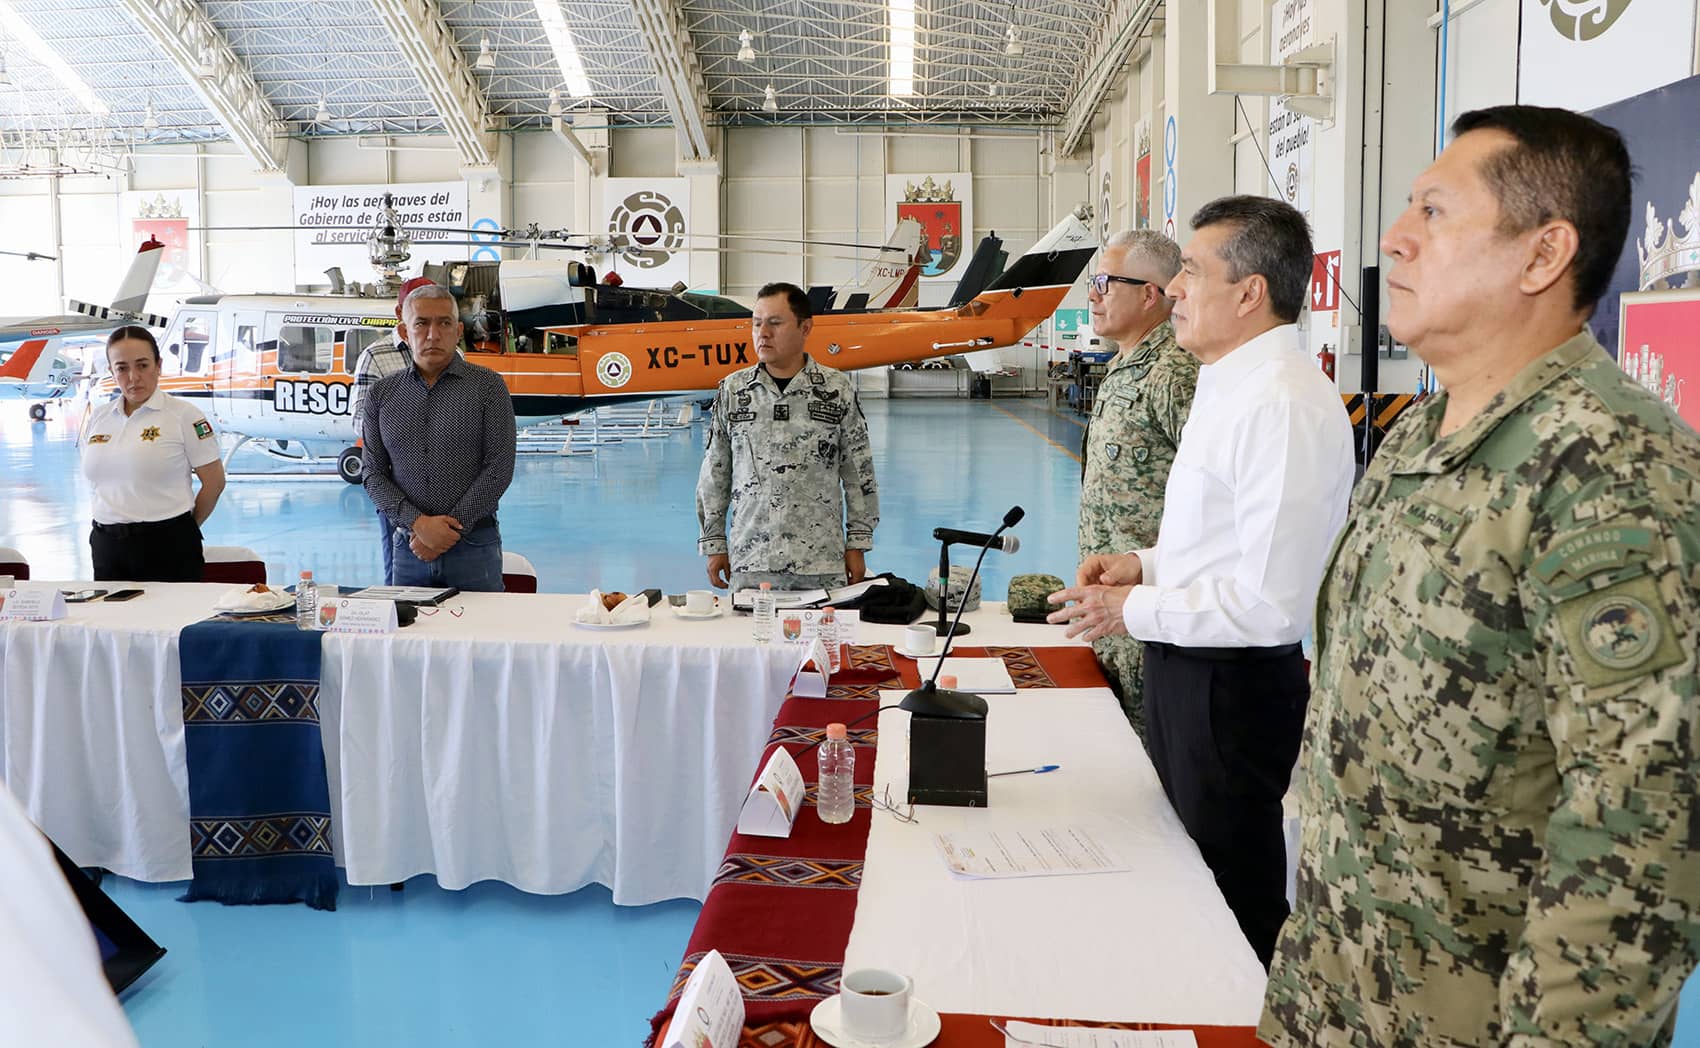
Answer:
(259, 804)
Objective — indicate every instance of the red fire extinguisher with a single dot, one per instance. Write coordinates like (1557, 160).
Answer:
(1326, 358)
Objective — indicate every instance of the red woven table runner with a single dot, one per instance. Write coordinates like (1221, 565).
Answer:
(780, 909)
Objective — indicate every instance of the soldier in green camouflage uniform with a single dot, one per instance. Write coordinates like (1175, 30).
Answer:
(1137, 416)
(793, 466)
(1500, 841)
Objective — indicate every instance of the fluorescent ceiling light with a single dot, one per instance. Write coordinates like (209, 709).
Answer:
(566, 51)
(770, 101)
(746, 53)
(486, 60)
(900, 15)
(20, 30)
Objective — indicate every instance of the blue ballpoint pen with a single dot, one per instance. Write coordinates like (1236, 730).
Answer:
(1040, 770)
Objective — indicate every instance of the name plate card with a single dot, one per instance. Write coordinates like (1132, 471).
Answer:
(354, 615)
(814, 670)
(32, 604)
(711, 1010)
(773, 803)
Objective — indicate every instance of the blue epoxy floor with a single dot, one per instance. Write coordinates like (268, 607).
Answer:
(491, 965)
(623, 518)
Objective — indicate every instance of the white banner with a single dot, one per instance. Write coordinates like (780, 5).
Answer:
(350, 212)
(1583, 54)
(655, 214)
(943, 202)
(1289, 133)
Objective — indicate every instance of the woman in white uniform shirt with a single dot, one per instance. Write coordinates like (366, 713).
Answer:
(138, 454)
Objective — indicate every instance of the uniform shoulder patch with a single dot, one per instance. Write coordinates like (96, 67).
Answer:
(100, 438)
(1620, 633)
(203, 428)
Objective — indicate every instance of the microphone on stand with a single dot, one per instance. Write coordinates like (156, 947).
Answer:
(947, 729)
(948, 537)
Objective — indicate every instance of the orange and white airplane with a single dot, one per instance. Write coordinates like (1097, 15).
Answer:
(278, 369)
(43, 359)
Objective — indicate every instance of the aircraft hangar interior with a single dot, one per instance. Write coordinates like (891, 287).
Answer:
(852, 522)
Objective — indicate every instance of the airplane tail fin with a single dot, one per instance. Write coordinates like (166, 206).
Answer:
(23, 360)
(892, 280)
(132, 294)
(1057, 259)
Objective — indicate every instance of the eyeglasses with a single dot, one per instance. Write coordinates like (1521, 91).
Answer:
(457, 612)
(884, 803)
(1100, 282)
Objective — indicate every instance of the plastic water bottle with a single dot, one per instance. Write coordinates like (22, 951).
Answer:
(306, 603)
(764, 614)
(835, 798)
(829, 638)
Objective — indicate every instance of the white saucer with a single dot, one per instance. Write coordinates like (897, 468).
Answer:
(906, 653)
(828, 1021)
(610, 625)
(683, 614)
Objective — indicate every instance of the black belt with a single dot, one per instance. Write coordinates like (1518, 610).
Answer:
(145, 527)
(1226, 654)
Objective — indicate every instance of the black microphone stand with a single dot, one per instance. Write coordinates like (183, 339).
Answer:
(944, 595)
(929, 699)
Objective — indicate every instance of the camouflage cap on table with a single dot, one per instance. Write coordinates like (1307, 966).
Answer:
(1027, 595)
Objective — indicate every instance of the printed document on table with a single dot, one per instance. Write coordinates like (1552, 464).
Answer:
(1091, 1037)
(1040, 851)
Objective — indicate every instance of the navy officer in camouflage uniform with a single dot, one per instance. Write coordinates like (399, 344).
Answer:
(1137, 416)
(1501, 843)
(788, 456)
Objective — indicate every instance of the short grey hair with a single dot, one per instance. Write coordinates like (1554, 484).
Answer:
(428, 291)
(1161, 255)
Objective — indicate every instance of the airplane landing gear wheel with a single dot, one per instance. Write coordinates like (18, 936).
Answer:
(349, 465)
(38, 412)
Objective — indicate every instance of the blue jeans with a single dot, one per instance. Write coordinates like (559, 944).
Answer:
(387, 531)
(472, 565)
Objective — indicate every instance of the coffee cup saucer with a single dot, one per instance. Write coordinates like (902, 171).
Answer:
(828, 1022)
(906, 653)
(683, 614)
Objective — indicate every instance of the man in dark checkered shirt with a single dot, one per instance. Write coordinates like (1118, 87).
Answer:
(384, 357)
(439, 453)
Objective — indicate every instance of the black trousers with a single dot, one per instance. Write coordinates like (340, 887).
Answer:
(155, 551)
(1223, 728)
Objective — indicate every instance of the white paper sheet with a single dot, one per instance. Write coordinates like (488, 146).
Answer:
(1033, 851)
(1090, 1037)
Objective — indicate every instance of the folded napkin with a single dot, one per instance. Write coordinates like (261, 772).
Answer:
(633, 609)
(244, 598)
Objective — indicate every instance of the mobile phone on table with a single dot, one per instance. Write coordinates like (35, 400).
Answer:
(82, 596)
(126, 594)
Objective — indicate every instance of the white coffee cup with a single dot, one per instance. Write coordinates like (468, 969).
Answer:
(699, 602)
(919, 639)
(875, 1003)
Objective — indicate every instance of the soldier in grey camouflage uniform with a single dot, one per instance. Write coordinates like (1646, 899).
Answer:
(1500, 839)
(1137, 416)
(788, 455)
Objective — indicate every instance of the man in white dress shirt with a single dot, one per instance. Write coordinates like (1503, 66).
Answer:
(1256, 495)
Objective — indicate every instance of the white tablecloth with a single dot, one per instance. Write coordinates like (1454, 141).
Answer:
(504, 743)
(501, 744)
(1157, 944)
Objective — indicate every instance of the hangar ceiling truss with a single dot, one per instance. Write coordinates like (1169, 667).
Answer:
(400, 67)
